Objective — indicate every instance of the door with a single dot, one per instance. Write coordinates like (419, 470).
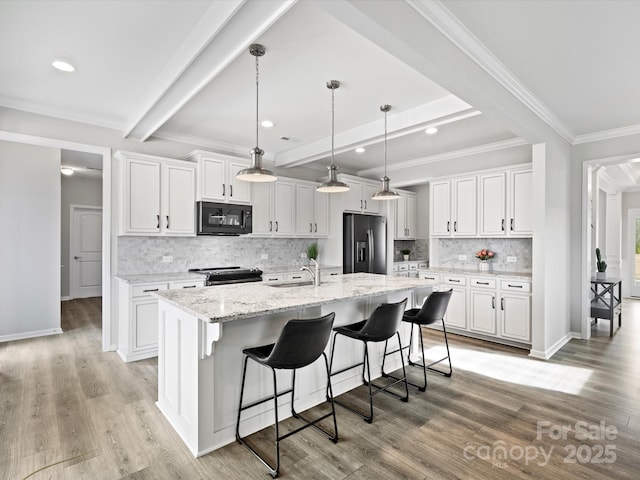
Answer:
(516, 317)
(411, 216)
(239, 191)
(483, 312)
(262, 221)
(179, 200)
(401, 215)
(456, 315)
(283, 212)
(142, 205)
(464, 206)
(521, 221)
(441, 208)
(320, 213)
(493, 204)
(303, 208)
(633, 249)
(85, 252)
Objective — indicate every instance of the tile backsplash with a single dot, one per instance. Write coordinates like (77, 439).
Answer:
(448, 250)
(144, 254)
(419, 249)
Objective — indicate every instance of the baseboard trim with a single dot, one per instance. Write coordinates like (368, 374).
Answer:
(33, 334)
(64, 299)
(551, 351)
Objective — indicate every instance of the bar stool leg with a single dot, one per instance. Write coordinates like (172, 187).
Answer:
(275, 472)
(244, 374)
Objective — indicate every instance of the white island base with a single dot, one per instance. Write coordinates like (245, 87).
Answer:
(200, 363)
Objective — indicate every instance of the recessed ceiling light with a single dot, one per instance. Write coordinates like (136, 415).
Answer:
(360, 150)
(267, 124)
(66, 171)
(431, 130)
(63, 66)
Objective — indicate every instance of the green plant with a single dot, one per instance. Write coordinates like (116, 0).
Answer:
(312, 251)
(405, 251)
(600, 264)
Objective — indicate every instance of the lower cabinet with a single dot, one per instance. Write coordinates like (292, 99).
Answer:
(516, 317)
(138, 317)
(483, 312)
(456, 315)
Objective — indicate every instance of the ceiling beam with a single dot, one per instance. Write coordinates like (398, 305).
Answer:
(224, 32)
(437, 112)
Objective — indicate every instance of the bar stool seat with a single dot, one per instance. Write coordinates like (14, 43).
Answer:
(379, 327)
(301, 343)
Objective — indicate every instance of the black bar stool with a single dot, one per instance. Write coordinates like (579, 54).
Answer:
(379, 327)
(300, 344)
(432, 311)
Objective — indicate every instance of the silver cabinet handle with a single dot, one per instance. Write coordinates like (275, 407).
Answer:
(276, 225)
(270, 226)
(493, 302)
(231, 190)
(158, 218)
(167, 222)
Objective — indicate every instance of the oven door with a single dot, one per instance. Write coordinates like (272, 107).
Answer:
(223, 219)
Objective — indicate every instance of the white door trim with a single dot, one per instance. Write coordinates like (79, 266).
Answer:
(629, 273)
(108, 260)
(73, 288)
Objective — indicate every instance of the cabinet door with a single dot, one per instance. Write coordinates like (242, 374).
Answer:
(520, 221)
(464, 206)
(239, 191)
(370, 206)
(262, 219)
(353, 198)
(144, 325)
(142, 196)
(178, 200)
(440, 218)
(401, 215)
(304, 209)
(456, 315)
(283, 211)
(516, 317)
(493, 205)
(411, 216)
(320, 214)
(483, 311)
(212, 179)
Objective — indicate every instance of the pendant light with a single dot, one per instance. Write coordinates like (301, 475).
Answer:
(333, 185)
(256, 172)
(385, 193)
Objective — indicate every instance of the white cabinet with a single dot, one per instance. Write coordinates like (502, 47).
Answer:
(358, 198)
(456, 315)
(505, 203)
(482, 306)
(138, 317)
(274, 208)
(157, 195)
(312, 211)
(406, 217)
(217, 180)
(453, 207)
(515, 310)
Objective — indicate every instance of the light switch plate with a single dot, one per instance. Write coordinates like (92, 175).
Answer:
(462, 257)
(512, 259)
(167, 259)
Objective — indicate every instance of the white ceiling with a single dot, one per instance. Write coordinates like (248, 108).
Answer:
(181, 71)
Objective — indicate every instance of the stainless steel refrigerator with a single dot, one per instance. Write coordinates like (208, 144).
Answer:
(365, 243)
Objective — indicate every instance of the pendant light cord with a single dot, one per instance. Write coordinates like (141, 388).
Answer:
(257, 99)
(333, 115)
(385, 143)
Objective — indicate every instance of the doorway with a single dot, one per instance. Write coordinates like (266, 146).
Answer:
(633, 249)
(85, 251)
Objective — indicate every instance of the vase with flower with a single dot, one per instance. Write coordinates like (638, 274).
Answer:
(484, 256)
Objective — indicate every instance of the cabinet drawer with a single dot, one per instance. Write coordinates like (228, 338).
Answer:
(413, 266)
(403, 267)
(395, 267)
(148, 289)
(429, 276)
(422, 265)
(297, 276)
(188, 284)
(331, 272)
(454, 280)
(272, 277)
(483, 282)
(515, 286)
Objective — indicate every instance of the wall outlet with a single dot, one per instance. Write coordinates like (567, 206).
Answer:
(167, 259)
(264, 256)
(512, 259)
(462, 257)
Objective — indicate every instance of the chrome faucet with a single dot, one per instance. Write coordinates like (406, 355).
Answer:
(314, 275)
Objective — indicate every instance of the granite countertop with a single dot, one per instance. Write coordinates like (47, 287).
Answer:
(293, 268)
(525, 276)
(225, 303)
(160, 277)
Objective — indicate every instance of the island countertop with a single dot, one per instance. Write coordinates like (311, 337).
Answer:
(225, 303)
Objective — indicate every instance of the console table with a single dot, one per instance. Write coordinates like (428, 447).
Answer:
(606, 302)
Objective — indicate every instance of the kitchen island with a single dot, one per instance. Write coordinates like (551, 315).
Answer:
(203, 331)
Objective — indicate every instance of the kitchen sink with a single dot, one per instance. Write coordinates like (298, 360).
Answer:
(291, 284)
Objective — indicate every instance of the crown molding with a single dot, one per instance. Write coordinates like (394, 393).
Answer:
(465, 152)
(607, 134)
(213, 145)
(448, 24)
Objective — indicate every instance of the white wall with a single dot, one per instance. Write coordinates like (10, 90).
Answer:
(76, 190)
(30, 241)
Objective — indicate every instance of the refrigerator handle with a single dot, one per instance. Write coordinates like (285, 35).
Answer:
(370, 245)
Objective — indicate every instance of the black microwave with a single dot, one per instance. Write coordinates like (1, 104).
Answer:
(223, 218)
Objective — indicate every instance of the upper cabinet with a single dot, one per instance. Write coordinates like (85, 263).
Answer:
(157, 195)
(312, 211)
(453, 207)
(217, 178)
(492, 204)
(406, 216)
(505, 203)
(358, 198)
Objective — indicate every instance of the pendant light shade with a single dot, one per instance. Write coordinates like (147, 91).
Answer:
(384, 193)
(333, 185)
(256, 172)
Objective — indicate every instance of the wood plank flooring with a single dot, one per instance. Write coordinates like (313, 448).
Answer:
(70, 411)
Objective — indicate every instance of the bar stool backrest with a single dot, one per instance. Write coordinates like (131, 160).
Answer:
(301, 342)
(384, 322)
(434, 308)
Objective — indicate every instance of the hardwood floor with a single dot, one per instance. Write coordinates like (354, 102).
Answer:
(70, 411)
